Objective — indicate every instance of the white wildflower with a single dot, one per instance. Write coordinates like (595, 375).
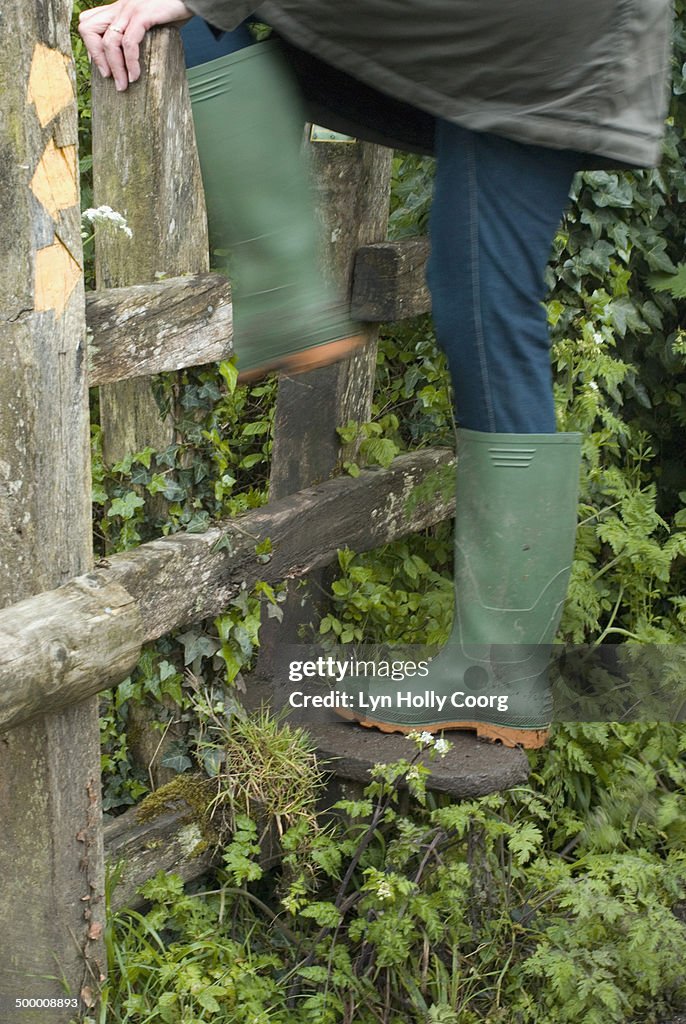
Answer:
(598, 338)
(105, 215)
(412, 773)
(592, 385)
(442, 747)
(383, 890)
(422, 739)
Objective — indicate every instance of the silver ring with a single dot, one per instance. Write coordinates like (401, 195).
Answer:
(119, 31)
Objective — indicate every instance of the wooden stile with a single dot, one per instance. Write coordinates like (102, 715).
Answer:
(69, 629)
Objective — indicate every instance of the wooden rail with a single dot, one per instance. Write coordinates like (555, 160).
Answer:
(62, 646)
(186, 321)
(152, 328)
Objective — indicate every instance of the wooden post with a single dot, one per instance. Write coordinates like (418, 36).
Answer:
(51, 857)
(145, 166)
(352, 182)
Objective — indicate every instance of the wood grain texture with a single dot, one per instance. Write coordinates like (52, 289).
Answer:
(64, 645)
(51, 858)
(137, 848)
(151, 328)
(145, 167)
(389, 281)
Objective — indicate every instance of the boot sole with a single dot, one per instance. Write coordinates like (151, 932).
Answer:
(309, 359)
(529, 739)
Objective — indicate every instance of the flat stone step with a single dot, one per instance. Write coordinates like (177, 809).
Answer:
(472, 767)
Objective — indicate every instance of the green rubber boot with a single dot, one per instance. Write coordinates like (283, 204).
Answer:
(248, 129)
(515, 527)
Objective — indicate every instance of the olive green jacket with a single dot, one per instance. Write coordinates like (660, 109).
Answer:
(589, 75)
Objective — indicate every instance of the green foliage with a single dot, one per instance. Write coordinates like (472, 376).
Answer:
(216, 469)
(675, 283)
(557, 902)
(411, 178)
(177, 964)
(393, 595)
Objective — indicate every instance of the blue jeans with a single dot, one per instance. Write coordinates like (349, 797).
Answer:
(496, 207)
(201, 44)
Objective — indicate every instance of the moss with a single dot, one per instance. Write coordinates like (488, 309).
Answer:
(196, 793)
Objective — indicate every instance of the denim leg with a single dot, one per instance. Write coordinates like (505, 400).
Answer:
(201, 43)
(497, 205)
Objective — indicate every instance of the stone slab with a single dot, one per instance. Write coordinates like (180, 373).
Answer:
(472, 768)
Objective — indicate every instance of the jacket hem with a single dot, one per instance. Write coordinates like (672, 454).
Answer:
(627, 148)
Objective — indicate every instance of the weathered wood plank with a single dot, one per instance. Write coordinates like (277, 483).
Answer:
(138, 850)
(152, 328)
(179, 579)
(389, 281)
(79, 639)
(183, 578)
(51, 860)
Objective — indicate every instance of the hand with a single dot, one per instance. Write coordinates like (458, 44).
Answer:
(113, 34)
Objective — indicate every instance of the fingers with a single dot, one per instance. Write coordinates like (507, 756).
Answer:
(113, 42)
(92, 26)
(131, 49)
(113, 34)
